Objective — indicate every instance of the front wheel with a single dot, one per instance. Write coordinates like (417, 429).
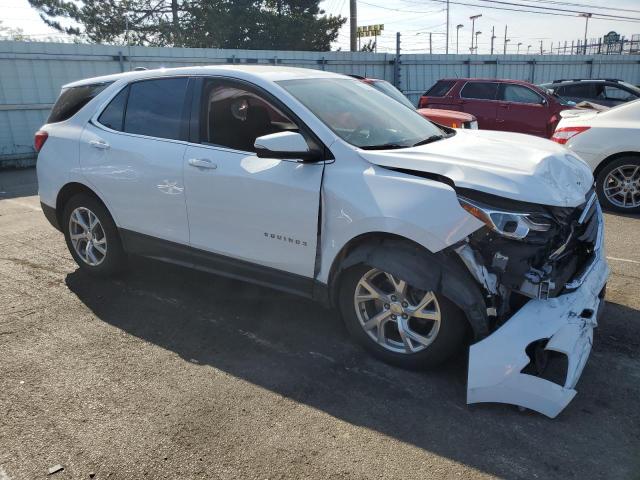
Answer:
(618, 185)
(397, 322)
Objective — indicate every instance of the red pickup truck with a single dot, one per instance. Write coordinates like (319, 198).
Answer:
(508, 105)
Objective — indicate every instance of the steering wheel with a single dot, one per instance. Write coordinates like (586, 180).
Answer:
(362, 132)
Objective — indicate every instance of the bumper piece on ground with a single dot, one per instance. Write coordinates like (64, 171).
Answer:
(567, 321)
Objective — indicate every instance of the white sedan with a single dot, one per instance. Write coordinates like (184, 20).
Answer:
(609, 141)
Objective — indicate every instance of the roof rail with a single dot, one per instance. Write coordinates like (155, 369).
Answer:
(616, 80)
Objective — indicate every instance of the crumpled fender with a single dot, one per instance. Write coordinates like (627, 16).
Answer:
(438, 272)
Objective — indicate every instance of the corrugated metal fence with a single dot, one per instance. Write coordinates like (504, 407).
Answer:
(31, 74)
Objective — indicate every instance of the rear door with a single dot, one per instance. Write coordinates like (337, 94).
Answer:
(522, 110)
(132, 153)
(479, 99)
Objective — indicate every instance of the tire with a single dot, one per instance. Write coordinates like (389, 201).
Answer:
(105, 256)
(611, 194)
(449, 338)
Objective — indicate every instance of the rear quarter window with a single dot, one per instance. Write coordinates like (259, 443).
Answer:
(440, 89)
(72, 99)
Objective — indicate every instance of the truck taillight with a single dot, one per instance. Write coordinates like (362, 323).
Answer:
(39, 139)
(564, 134)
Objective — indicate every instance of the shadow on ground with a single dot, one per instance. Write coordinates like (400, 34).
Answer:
(297, 349)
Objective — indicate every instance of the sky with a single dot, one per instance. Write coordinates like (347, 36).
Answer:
(414, 19)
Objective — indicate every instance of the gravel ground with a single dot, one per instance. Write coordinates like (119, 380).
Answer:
(167, 373)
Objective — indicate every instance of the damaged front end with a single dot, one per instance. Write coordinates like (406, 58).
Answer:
(544, 272)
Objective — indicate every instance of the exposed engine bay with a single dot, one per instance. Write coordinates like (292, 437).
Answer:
(544, 274)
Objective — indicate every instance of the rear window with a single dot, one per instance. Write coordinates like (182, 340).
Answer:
(72, 99)
(480, 90)
(440, 89)
(155, 107)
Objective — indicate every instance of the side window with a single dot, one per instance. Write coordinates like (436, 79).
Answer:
(480, 90)
(615, 93)
(440, 89)
(155, 107)
(233, 116)
(72, 99)
(579, 90)
(113, 115)
(519, 94)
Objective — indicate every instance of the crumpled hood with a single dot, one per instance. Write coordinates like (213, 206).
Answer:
(511, 165)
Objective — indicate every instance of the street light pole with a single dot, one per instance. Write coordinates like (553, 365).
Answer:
(506, 40)
(446, 50)
(477, 33)
(586, 16)
(528, 49)
(518, 51)
(458, 27)
(493, 37)
(473, 25)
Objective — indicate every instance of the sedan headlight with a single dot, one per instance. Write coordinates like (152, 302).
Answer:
(513, 225)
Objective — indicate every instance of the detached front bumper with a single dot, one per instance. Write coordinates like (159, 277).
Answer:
(567, 321)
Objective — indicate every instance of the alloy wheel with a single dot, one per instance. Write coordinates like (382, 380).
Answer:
(622, 186)
(394, 314)
(87, 236)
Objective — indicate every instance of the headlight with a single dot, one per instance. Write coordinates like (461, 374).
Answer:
(508, 224)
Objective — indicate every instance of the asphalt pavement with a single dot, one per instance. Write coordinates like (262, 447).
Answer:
(168, 373)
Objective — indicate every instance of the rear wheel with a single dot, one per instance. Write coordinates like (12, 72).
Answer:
(618, 185)
(397, 322)
(92, 236)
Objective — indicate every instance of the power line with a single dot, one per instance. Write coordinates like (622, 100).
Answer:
(569, 4)
(558, 9)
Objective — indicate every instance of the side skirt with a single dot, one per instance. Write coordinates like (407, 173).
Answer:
(186, 256)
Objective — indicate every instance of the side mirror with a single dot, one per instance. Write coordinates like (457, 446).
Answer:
(285, 145)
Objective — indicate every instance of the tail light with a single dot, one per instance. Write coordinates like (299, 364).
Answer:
(39, 139)
(423, 102)
(564, 134)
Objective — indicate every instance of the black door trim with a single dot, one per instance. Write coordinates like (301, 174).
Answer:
(179, 254)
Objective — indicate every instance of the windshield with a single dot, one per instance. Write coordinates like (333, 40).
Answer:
(360, 114)
(388, 89)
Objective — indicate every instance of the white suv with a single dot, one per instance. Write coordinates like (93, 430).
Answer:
(425, 238)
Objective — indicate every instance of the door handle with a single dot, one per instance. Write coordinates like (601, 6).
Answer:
(101, 144)
(202, 163)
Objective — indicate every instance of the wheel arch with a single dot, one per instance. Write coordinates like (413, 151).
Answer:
(441, 271)
(69, 190)
(612, 158)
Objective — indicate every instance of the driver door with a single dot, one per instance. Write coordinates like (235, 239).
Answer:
(256, 216)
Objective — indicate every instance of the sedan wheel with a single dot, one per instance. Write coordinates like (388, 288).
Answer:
(622, 186)
(399, 317)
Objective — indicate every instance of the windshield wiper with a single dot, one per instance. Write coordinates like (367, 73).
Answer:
(384, 146)
(432, 138)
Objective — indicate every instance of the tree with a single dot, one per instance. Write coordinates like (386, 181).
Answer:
(251, 24)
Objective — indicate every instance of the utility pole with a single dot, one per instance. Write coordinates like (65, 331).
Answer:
(473, 25)
(586, 16)
(353, 17)
(493, 37)
(506, 40)
(458, 27)
(541, 49)
(477, 33)
(430, 44)
(446, 50)
(396, 64)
